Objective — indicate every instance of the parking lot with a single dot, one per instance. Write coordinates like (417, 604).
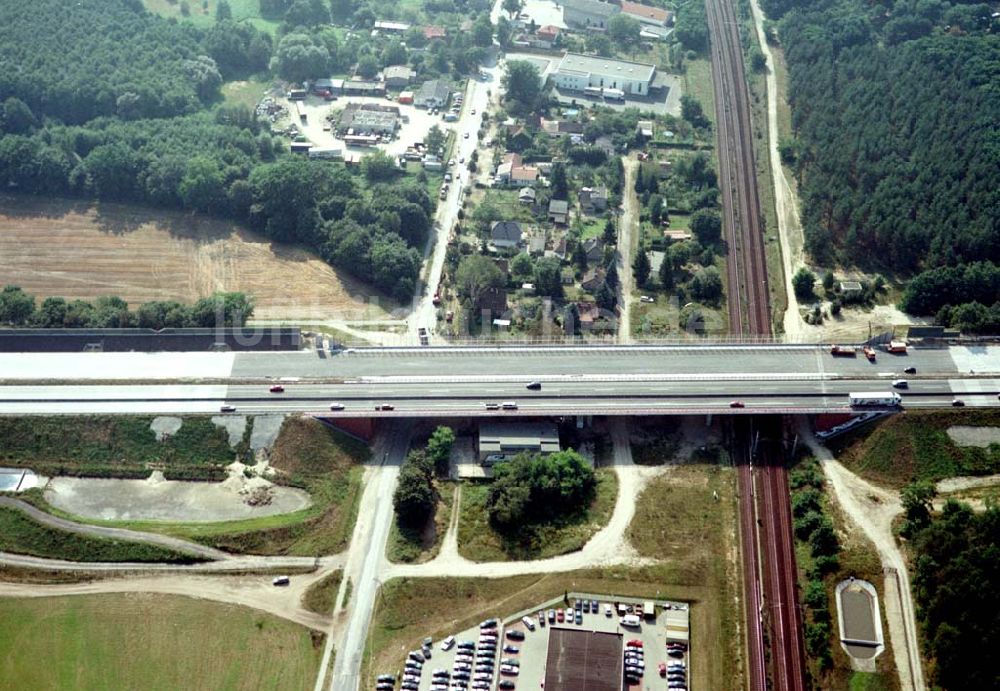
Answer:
(526, 658)
(413, 126)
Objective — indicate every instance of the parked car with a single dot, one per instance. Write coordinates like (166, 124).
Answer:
(515, 635)
(528, 623)
(447, 643)
(281, 580)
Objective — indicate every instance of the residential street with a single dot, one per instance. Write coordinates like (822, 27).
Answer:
(628, 236)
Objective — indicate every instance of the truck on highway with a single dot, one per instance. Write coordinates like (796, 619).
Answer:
(882, 399)
(869, 353)
(896, 347)
(843, 351)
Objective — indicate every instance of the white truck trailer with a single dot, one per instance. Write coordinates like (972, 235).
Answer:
(884, 399)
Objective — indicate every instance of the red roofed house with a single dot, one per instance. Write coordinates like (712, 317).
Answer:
(546, 36)
(432, 32)
(647, 15)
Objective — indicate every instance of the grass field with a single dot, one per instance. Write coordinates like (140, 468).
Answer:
(80, 250)
(120, 446)
(246, 92)
(21, 534)
(415, 547)
(312, 457)
(478, 541)
(698, 84)
(203, 15)
(916, 446)
(151, 642)
(321, 595)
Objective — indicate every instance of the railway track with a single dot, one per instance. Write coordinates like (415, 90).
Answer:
(772, 612)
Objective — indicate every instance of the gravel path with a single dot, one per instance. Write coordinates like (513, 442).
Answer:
(250, 591)
(873, 509)
(627, 236)
(176, 544)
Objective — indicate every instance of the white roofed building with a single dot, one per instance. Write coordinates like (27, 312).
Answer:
(578, 72)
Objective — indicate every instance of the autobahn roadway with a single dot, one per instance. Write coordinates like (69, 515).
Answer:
(465, 396)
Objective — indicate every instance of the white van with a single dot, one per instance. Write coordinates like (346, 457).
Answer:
(630, 620)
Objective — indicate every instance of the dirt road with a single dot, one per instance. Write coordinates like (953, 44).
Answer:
(251, 591)
(628, 236)
(608, 547)
(176, 544)
(872, 509)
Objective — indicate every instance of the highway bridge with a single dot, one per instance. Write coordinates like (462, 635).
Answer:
(459, 382)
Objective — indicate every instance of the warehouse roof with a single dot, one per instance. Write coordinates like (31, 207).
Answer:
(606, 67)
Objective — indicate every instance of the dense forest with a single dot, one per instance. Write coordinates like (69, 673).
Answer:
(82, 60)
(956, 568)
(894, 108)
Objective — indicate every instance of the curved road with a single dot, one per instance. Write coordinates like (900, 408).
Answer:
(176, 544)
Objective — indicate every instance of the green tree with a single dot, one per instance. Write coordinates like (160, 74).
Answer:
(666, 275)
(476, 274)
(802, 283)
(706, 225)
(624, 30)
(548, 277)
(610, 232)
(414, 497)
(599, 44)
(223, 12)
(641, 267)
(17, 117)
(482, 32)
(579, 256)
(828, 280)
(917, 498)
(512, 7)
(439, 449)
(435, 138)
(823, 540)
(692, 112)
(706, 285)
(560, 186)
(203, 187)
(16, 306)
(522, 267)
(298, 58)
(522, 86)
(367, 67)
(378, 166)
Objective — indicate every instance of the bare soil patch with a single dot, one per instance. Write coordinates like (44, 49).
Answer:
(80, 250)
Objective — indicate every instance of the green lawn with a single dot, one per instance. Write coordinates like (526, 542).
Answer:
(243, 10)
(321, 595)
(478, 541)
(246, 92)
(114, 446)
(592, 227)
(150, 642)
(916, 446)
(698, 83)
(21, 534)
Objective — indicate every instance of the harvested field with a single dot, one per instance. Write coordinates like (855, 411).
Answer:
(81, 250)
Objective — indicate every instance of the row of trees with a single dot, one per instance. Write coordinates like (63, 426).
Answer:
(531, 489)
(813, 526)
(115, 58)
(894, 121)
(18, 308)
(415, 495)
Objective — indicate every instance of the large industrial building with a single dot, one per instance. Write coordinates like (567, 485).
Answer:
(368, 118)
(580, 72)
(500, 441)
